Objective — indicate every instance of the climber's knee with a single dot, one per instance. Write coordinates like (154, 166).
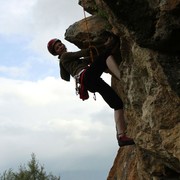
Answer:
(113, 67)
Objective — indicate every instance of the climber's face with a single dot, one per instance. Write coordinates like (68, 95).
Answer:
(59, 48)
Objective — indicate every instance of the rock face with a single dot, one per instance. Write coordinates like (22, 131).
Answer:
(149, 31)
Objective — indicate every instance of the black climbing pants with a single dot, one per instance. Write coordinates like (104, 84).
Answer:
(94, 83)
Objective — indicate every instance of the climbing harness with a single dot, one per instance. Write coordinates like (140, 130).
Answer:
(77, 81)
(80, 88)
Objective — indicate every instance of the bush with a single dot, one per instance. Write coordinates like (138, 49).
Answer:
(33, 171)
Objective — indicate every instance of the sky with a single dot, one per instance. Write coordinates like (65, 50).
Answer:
(39, 112)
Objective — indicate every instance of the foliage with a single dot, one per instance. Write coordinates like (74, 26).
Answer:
(33, 171)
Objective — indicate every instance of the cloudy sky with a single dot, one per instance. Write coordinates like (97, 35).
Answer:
(39, 112)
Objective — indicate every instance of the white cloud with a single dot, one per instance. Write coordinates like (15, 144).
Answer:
(38, 20)
(44, 115)
(47, 118)
(13, 71)
(51, 19)
(15, 16)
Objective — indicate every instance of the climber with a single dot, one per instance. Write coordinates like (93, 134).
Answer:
(80, 66)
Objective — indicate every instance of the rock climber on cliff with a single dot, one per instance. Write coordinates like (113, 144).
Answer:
(87, 73)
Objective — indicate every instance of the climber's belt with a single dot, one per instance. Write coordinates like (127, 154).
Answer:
(77, 77)
(80, 88)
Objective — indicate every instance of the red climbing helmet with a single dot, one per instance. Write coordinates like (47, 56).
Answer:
(51, 44)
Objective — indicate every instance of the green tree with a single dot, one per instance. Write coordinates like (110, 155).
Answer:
(33, 171)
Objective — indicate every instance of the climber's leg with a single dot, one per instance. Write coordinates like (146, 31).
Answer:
(123, 140)
(94, 83)
(113, 67)
(114, 101)
(119, 120)
(106, 91)
(98, 66)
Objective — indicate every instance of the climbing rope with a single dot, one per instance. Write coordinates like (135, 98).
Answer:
(91, 47)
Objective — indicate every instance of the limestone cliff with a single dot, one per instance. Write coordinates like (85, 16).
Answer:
(149, 32)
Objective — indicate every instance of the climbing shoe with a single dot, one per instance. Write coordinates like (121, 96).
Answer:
(125, 141)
